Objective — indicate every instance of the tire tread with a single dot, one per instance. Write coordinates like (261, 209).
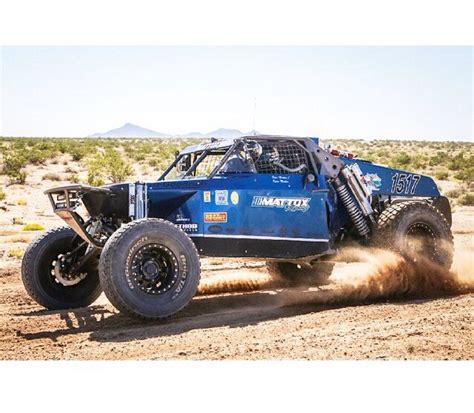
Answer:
(106, 260)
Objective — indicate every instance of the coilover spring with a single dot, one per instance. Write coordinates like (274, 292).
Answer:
(352, 209)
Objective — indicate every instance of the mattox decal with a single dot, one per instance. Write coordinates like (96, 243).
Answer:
(215, 216)
(288, 204)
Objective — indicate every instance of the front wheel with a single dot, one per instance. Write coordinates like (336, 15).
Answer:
(149, 269)
(46, 275)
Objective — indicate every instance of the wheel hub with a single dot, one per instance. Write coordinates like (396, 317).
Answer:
(150, 269)
(60, 272)
(154, 268)
(421, 240)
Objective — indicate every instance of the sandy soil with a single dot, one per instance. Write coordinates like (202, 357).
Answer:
(376, 308)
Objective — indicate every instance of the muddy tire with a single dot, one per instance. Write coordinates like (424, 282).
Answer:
(414, 229)
(296, 275)
(149, 269)
(38, 272)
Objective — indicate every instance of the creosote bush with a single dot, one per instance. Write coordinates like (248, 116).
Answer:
(51, 176)
(467, 199)
(108, 166)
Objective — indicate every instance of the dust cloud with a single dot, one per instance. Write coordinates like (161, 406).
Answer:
(371, 275)
(239, 281)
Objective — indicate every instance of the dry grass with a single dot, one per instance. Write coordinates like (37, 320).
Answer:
(33, 226)
(16, 253)
(18, 221)
(16, 238)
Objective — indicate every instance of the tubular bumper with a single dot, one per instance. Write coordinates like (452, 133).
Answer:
(65, 200)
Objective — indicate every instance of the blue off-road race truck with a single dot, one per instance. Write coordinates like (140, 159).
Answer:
(285, 199)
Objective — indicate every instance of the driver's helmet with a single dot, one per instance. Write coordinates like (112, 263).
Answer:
(253, 149)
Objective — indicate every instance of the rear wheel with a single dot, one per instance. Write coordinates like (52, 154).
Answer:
(47, 276)
(149, 269)
(415, 229)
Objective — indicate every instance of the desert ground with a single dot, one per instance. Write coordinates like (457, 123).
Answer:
(375, 308)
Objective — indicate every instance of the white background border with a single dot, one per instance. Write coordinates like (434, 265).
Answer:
(236, 386)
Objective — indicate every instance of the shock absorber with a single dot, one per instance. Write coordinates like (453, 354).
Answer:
(352, 208)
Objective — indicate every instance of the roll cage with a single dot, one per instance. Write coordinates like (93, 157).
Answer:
(278, 154)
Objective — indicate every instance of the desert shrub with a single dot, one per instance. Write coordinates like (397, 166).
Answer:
(441, 174)
(70, 170)
(13, 168)
(78, 153)
(73, 178)
(19, 238)
(108, 166)
(51, 176)
(3, 195)
(454, 193)
(21, 202)
(465, 175)
(439, 159)
(18, 221)
(37, 157)
(467, 199)
(401, 160)
(33, 226)
(459, 162)
(15, 252)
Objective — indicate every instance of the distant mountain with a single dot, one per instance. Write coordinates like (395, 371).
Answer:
(129, 130)
(193, 135)
(223, 133)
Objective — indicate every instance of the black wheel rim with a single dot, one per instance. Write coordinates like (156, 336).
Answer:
(422, 241)
(154, 269)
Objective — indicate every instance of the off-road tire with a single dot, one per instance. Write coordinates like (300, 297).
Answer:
(118, 279)
(42, 286)
(297, 275)
(394, 223)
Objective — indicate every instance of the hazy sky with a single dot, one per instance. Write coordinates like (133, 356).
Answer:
(359, 92)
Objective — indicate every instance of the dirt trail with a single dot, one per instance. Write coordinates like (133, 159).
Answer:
(250, 315)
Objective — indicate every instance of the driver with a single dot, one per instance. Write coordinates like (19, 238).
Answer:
(244, 158)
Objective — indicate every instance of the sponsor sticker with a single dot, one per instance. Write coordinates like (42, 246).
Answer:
(373, 181)
(222, 197)
(234, 197)
(288, 204)
(182, 218)
(191, 227)
(215, 216)
(207, 196)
